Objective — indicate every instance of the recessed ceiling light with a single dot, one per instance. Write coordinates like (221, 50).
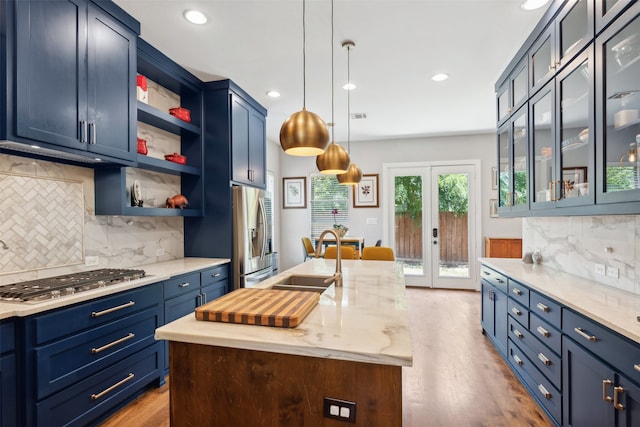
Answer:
(533, 4)
(273, 94)
(195, 17)
(349, 86)
(440, 77)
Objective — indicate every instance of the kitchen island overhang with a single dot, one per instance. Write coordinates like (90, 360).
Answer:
(352, 347)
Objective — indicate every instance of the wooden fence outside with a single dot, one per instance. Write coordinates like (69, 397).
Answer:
(453, 238)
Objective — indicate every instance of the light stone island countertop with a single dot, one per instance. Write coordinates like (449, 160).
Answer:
(156, 272)
(365, 320)
(614, 308)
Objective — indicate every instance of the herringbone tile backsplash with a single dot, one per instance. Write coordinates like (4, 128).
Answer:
(44, 221)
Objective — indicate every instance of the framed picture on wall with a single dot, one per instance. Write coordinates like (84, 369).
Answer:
(493, 208)
(294, 191)
(365, 194)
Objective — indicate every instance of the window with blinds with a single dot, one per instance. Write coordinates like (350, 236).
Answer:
(327, 195)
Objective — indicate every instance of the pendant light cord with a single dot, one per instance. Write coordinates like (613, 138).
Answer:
(333, 121)
(304, 58)
(349, 100)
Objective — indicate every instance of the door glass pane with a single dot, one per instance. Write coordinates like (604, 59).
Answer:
(541, 59)
(574, 27)
(622, 94)
(520, 150)
(608, 4)
(574, 132)
(520, 86)
(453, 218)
(542, 149)
(408, 223)
(504, 173)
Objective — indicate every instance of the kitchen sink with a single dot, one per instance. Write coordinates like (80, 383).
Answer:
(304, 283)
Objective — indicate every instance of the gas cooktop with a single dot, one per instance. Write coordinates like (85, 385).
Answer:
(69, 284)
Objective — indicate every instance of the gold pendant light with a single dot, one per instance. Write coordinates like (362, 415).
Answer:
(304, 133)
(334, 160)
(353, 176)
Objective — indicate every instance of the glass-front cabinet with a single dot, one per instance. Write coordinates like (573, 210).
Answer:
(608, 10)
(543, 123)
(513, 92)
(513, 148)
(619, 99)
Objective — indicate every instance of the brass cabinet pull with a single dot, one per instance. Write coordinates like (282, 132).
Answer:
(517, 291)
(583, 334)
(92, 125)
(606, 383)
(542, 307)
(184, 285)
(544, 391)
(111, 344)
(544, 359)
(636, 367)
(97, 396)
(112, 309)
(542, 331)
(517, 359)
(616, 394)
(499, 280)
(515, 311)
(518, 333)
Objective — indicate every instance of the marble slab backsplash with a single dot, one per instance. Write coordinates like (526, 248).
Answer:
(118, 241)
(576, 244)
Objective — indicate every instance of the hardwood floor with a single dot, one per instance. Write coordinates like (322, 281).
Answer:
(457, 378)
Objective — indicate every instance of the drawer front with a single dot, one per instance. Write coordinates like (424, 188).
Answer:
(214, 274)
(540, 387)
(519, 292)
(181, 284)
(518, 312)
(496, 279)
(545, 360)
(546, 308)
(96, 395)
(180, 306)
(214, 291)
(546, 333)
(7, 336)
(616, 350)
(75, 358)
(70, 320)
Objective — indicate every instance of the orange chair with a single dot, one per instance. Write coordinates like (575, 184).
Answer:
(347, 252)
(380, 253)
(308, 249)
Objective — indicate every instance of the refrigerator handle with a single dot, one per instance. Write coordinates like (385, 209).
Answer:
(263, 214)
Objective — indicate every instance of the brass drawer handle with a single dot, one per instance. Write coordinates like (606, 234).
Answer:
(517, 291)
(544, 359)
(517, 359)
(112, 309)
(542, 331)
(605, 384)
(518, 333)
(184, 285)
(515, 311)
(116, 385)
(542, 307)
(544, 391)
(111, 344)
(616, 394)
(499, 280)
(583, 334)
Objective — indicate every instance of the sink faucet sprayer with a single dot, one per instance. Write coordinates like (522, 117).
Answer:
(337, 277)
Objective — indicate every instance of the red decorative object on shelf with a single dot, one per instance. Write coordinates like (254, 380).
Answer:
(142, 146)
(142, 90)
(181, 113)
(177, 201)
(176, 158)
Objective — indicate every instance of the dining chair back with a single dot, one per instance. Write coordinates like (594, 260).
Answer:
(347, 252)
(380, 253)
(308, 249)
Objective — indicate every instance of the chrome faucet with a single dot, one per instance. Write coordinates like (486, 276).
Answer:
(337, 277)
(4, 245)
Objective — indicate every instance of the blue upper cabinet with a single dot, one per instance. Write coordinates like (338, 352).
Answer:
(248, 143)
(74, 83)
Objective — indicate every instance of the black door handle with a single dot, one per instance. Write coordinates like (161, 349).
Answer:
(435, 233)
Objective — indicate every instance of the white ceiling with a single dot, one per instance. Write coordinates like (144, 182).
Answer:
(400, 44)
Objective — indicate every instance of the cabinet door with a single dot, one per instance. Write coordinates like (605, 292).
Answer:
(501, 321)
(488, 312)
(504, 167)
(240, 113)
(587, 388)
(51, 86)
(542, 61)
(257, 140)
(543, 147)
(520, 166)
(618, 160)
(8, 391)
(607, 10)
(628, 414)
(111, 81)
(503, 104)
(574, 29)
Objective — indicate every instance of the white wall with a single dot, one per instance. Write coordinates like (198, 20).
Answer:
(370, 156)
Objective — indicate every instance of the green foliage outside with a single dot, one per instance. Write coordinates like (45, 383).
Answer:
(453, 195)
(519, 188)
(620, 178)
(409, 196)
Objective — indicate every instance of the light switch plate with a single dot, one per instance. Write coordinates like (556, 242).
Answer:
(91, 261)
(613, 272)
(599, 269)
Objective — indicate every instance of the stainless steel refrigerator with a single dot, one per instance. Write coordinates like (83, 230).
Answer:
(253, 260)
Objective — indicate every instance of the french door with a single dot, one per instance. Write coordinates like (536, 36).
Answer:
(433, 224)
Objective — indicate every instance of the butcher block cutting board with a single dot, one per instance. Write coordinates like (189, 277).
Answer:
(264, 307)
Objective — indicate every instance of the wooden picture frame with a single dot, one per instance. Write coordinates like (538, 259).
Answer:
(493, 208)
(577, 174)
(294, 192)
(365, 194)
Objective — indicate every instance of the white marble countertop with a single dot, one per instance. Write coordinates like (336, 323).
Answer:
(614, 308)
(154, 273)
(365, 320)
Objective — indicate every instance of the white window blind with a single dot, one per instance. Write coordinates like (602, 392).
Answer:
(326, 195)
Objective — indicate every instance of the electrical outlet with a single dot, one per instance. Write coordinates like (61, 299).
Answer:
(599, 269)
(613, 272)
(159, 251)
(342, 410)
(91, 261)
(372, 221)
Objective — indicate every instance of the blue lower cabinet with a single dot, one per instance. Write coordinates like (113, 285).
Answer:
(8, 391)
